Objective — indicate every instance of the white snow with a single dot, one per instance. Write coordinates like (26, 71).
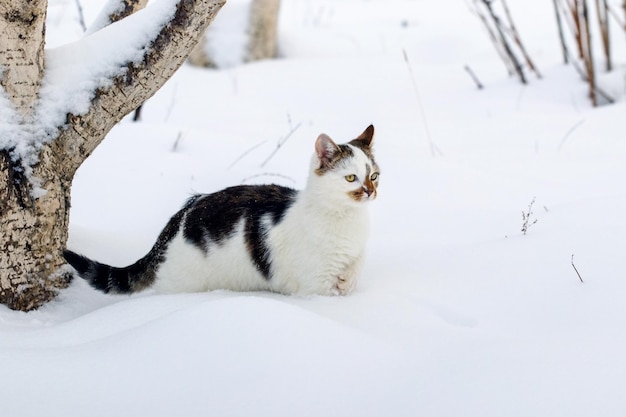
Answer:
(456, 313)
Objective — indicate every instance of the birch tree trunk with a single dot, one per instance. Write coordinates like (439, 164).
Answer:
(35, 197)
(261, 34)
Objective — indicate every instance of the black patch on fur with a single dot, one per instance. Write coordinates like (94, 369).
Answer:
(213, 218)
(103, 277)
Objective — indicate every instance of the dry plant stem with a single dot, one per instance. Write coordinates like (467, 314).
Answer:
(561, 35)
(599, 91)
(526, 215)
(479, 85)
(566, 11)
(434, 150)
(518, 40)
(246, 153)
(280, 143)
(575, 269)
(602, 10)
(588, 52)
(569, 132)
(505, 44)
(494, 39)
(576, 29)
(620, 21)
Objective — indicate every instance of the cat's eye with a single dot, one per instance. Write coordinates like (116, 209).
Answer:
(350, 178)
(374, 176)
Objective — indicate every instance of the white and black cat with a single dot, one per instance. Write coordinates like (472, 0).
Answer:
(262, 237)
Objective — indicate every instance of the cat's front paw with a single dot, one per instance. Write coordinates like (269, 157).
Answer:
(343, 285)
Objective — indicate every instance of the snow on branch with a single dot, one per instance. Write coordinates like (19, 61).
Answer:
(92, 84)
(113, 11)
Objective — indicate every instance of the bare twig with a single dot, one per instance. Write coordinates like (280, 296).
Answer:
(434, 150)
(526, 218)
(246, 153)
(81, 16)
(569, 132)
(618, 19)
(177, 141)
(281, 142)
(598, 90)
(503, 41)
(575, 269)
(494, 39)
(518, 40)
(561, 36)
(588, 52)
(602, 9)
(474, 77)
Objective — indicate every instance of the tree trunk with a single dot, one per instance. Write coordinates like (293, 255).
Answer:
(35, 195)
(22, 25)
(261, 37)
(34, 234)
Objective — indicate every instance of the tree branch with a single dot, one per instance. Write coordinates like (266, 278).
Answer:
(166, 53)
(115, 10)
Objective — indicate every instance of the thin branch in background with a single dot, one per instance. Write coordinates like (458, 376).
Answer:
(618, 19)
(576, 29)
(599, 91)
(602, 10)
(561, 35)
(81, 16)
(518, 40)
(569, 132)
(577, 15)
(246, 153)
(575, 269)
(494, 39)
(474, 77)
(281, 142)
(588, 51)
(504, 42)
(434, 150)
(177, 141)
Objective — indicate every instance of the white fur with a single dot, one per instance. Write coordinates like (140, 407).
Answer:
(317, 248)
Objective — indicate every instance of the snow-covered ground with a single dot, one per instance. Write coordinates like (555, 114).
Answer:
(457, 313)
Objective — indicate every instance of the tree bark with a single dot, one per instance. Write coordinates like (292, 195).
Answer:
(22, 24)
(34, 214)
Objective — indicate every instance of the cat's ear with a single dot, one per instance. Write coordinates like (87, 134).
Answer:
(325, 149)
(366, 139)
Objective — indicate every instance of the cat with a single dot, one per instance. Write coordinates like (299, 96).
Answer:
(262, 237)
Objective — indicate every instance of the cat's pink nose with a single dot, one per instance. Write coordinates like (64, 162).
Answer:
(368, 191)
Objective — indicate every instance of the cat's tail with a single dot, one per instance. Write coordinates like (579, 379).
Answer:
(106, 278)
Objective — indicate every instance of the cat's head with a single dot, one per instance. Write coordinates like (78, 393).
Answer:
(347, 170)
